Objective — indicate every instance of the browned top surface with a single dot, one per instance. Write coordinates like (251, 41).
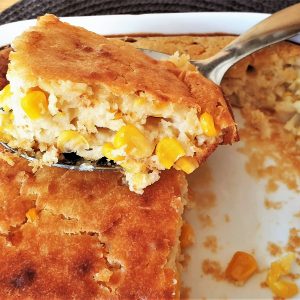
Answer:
(57, 50)
(86, 222)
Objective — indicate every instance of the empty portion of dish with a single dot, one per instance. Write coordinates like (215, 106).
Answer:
(81, 235)
(72, 90)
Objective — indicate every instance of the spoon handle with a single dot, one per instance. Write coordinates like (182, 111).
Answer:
(278, 27)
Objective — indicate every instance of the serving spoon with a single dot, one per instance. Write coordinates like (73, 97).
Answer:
(277, 27)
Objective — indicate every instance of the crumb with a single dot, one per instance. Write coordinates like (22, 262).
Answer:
(213, 268)
(205, 220)
(185, 293)
(7, 159)
(226, 218)
(297, 215)
(263, 285)
(187, 236)
(274, 249)
(280, 148)
(271, 186)
(272, 204)
(293, 276)
(185, 259)
(206, 200)
(211, 243)
(293, 244)
(202, 176)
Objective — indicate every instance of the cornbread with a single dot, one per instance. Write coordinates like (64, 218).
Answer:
(74, 235)
(71, 90)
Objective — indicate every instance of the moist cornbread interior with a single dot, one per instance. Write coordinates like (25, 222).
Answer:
(99, 89)
(89, 236)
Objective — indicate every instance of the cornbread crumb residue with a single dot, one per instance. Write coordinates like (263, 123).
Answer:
(274, 249)
(6, 158)
(293, 244)
(226, 218)
(213, 268)
(211, 243)
(275, 158)
(272, 204)
(185, 293)
(187, 239)
(205, 220)
(297, 214)
(204, 198)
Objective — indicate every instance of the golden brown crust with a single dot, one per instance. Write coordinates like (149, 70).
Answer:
(87, 222)
(82, 56)
(4, 53)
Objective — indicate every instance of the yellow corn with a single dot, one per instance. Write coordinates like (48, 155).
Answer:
(208, 125)
(6, 126)
(136, 144)
(107, 150)
(279, 268)
(70, 140)
(241, 267)
(168, 151)
(139, 101)
(5, 93)
(4, 137)
(35, 104)
(6, 120)
(283, 289)
(31, 215)
(187, 164)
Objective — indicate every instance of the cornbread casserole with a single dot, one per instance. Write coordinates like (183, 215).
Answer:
(75, 235)
(72, 90)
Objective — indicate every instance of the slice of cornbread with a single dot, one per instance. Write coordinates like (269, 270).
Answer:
(73, 235)
(72, 90)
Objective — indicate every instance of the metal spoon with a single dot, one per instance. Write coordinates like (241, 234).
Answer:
(278, 27)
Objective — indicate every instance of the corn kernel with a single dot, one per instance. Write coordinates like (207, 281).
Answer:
(241, 267)
(208, 125)
(5, 137)
(6, 126)
(187, 164)
(283, 289)
(5, 93)
(136, 144)
(139, 101)
(31, 215)
(70, 140)
(107, 151)
(168, 150)
(35, 104)
(279, 268)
